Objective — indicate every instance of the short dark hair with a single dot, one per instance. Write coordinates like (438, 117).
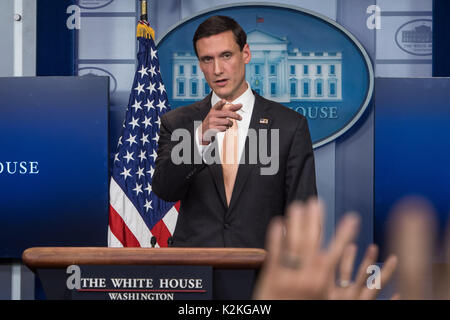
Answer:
(218, 24)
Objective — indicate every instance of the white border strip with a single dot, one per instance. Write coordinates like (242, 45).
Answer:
(317, 15)
(16, 281)
(18, 39)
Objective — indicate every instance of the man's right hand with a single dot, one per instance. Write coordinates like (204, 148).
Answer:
(218, 120)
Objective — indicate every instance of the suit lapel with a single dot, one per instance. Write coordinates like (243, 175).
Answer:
(202, 108)
(216, 173)
(261, 119)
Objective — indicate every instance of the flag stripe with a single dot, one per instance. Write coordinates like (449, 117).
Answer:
(163, 233)
(130, 216)
(120, 230)
(170, 219)
(112, 240)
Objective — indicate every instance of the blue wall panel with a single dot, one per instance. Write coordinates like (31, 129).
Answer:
(441, 38)
(55, 52)
(412, 146)
(53, 162)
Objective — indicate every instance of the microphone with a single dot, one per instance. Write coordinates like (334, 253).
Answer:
(170, 241)
(153, 241)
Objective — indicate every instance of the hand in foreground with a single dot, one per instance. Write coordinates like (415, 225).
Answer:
(218, 120)
(345, 289)
(297, 268)
(413, 236)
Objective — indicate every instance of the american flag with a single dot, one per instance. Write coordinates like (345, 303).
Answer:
(136, 214)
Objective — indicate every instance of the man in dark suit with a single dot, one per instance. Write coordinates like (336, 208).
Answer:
(230, 203)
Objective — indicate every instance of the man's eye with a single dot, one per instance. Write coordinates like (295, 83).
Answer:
(207, 60)
(227, 55)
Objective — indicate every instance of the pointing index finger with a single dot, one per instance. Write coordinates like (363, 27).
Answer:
(234, 107)
(219, 105)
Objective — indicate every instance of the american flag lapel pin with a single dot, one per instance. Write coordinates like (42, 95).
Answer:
(263, 121)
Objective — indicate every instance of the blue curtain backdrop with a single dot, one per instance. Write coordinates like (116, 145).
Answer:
(55, 54)
(441, 38)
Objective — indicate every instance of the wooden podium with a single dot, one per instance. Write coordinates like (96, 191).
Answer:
(234, 270)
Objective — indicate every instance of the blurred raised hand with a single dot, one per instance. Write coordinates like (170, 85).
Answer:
(413, 237)
(298, 268)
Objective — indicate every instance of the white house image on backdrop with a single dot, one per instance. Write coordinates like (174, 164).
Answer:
(273, 72)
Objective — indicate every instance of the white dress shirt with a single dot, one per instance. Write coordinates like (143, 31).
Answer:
(247, 99)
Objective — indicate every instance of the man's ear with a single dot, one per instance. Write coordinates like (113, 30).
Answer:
(246, 53)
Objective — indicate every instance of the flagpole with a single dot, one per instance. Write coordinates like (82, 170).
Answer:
(138, 218)
(143, 27)
(144, 13)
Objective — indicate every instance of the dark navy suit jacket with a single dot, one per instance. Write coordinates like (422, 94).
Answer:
(205, 219)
